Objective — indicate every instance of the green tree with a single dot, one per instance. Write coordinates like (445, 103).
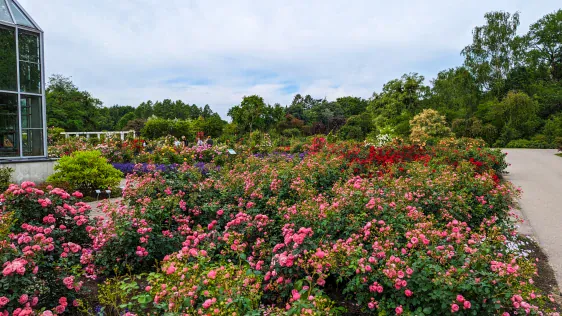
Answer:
(352, 105)
(495, 50)
(545, 43)
(249, 115)
(144, 110)
(72, 109)
(455, 93)
(516, 117)
(156, 127)
(399, 100)
(124, 120)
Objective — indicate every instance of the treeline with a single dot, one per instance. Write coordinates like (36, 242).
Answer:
(508, 92)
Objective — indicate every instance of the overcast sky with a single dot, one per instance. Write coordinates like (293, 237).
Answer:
(215, 52)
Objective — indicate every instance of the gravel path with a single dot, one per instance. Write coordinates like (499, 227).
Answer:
(539, 173)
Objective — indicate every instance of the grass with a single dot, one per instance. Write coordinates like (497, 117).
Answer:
(559, 155)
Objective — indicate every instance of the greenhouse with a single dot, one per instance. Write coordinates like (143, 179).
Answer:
(22, 85)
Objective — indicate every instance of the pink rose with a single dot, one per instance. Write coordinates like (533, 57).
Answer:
(3, 301)
(296, 295)
(60, 309)
(207, 303)
(454, 308)
(8, 270)
(466, 305)
(23, 299)
(212, 274)
(399, 310)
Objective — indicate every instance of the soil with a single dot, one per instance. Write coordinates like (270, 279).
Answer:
(545, 280)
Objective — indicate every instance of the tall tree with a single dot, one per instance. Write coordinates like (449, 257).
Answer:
(545, 43)
(398, 102)
(249, 115)
(495, 50)
(455, 93)
(70, 108)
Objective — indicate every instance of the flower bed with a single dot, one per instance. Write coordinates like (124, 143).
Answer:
(393, 230)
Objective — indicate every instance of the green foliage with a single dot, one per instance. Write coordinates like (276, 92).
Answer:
(357, 127)
(250, 114)
(399, 100)
(553, 127)
(525, 143)
(156, 127)
(124, 120)
(86, 171)
(5, 177)
(72, 109)
(545, 42)
(135, 125)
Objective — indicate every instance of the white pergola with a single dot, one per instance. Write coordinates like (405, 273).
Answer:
(122, 134)
(23, 128)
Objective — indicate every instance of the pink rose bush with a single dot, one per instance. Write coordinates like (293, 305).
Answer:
(44, 241)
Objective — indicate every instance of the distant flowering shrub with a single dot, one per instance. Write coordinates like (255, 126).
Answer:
(46, 254)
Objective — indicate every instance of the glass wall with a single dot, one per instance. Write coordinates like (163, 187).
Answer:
(8, 59)
(9, 127)
(22, 108)
(30, 62)
(31, 125)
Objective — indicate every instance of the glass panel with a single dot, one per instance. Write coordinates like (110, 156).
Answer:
(8, 60)
(31, 112)
(32, 140)
(30, 62)
(21, 19)
(9, 129)
(4, 13)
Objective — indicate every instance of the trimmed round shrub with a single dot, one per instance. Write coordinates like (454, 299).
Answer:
(85, 171)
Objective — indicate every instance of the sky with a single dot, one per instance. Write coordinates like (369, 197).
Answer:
(215, 52)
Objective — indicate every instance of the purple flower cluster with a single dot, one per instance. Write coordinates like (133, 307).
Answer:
(129, 167)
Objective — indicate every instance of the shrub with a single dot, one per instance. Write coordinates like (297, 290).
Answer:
(429, 124)
(558, 143)
(5, 177)
(291, 132)
(156, 127)
(525, 143)
(85, 171)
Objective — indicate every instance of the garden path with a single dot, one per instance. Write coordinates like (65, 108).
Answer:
(97, 209)
(539, 174)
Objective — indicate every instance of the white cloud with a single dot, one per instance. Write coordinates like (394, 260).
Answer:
(215, 52)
